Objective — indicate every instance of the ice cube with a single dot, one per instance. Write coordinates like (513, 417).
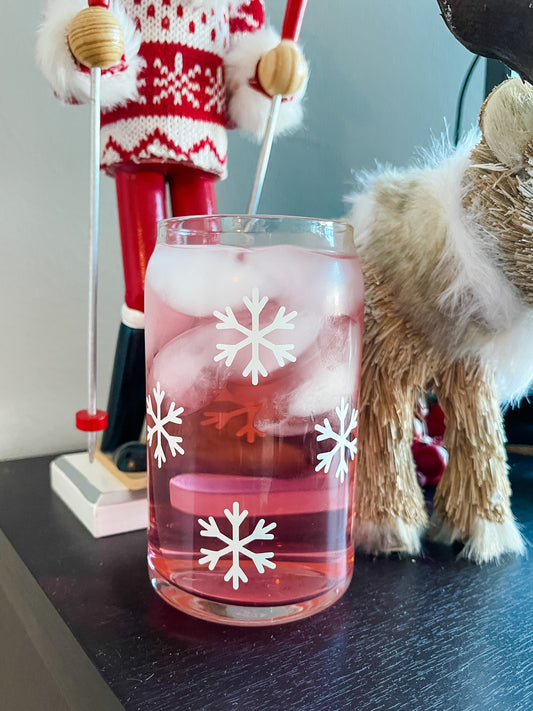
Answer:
(199, 362)
(271, 338)
(199, 279)
(163, 323)
(323, 392)
(329, 372)
(185, 368)
(297, 411)
(326, 283)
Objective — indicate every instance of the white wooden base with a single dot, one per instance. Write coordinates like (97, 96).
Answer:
(100, 501)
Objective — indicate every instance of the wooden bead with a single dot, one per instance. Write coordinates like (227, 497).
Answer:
(95, 38)
(282, 70)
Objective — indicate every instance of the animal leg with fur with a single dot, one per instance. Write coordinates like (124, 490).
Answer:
(472, 500)
(390, 509)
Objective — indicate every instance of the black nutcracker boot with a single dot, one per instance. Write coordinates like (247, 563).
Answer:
(127, 402)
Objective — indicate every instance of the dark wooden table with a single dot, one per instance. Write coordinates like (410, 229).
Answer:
(81, 628)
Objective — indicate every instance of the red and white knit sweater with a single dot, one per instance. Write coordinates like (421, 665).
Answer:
(183, 80)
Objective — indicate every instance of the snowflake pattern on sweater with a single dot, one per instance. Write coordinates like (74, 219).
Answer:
(180, 115)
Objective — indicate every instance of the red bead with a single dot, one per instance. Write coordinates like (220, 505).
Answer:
(98, 3)
(431, 460)
(91, 423)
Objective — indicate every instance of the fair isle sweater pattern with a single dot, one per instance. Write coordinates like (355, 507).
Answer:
(180, 115)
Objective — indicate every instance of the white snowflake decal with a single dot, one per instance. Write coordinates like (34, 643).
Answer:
(343, 443)
(236, 546)
(255, 336)
(172, 416)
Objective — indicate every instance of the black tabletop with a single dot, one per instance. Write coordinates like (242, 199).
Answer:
(432, 633)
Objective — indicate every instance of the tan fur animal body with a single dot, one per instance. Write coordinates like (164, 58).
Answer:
(447, 253)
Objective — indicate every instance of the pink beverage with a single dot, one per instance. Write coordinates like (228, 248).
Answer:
(253, 364)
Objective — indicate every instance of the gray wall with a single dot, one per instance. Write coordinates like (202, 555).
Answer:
(385, 76)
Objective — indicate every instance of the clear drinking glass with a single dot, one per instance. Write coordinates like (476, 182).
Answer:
(253, 350)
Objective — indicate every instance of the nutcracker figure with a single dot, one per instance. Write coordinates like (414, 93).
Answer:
(187, 74)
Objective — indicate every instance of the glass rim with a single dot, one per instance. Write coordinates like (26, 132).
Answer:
(261, 216)
(253, 225)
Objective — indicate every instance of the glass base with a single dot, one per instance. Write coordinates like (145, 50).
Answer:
(242, 615)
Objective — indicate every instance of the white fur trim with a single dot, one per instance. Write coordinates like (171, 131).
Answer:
(495, 300)
(132, 317)
(511, 354)
(57, 64)
(487, 543)
(478, 289)
(510, 349)
(249, 109)
(53, 55)
(393, 537)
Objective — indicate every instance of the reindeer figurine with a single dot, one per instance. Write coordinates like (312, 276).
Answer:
(447, 253)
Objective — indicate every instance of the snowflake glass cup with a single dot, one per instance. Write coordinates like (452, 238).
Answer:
(253, 350)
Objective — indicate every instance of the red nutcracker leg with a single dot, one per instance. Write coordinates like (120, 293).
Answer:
(141, 197)
(192, 192)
